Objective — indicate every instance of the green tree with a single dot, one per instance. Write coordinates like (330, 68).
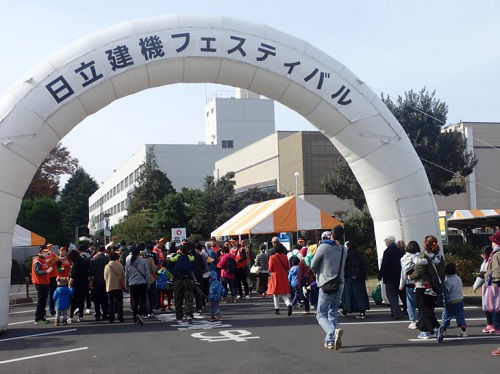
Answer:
(75, 203)
(171, 213)
(206, 209)
(153, 186)
(422, 116)
(136, 228)
(45, 183)
(43, 217)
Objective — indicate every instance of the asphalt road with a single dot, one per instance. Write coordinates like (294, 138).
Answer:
(250, 339)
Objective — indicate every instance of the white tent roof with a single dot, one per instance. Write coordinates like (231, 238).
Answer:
(25, 238)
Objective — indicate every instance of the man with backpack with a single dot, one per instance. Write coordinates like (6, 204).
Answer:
(227, 264)
(183, 283)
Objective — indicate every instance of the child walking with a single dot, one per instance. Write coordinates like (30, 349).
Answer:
(62, 299)
(215, 295)
(164, 284)
(453, 296)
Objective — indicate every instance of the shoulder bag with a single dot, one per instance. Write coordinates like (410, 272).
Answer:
(333, 285)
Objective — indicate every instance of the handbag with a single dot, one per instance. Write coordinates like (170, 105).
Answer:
(255, 269)
(333, 285)
(491, 297)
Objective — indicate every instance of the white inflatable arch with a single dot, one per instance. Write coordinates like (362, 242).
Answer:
(78, 80)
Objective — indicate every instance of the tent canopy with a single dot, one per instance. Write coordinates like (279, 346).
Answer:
(25, 238)
(278, 215)
(474, 218)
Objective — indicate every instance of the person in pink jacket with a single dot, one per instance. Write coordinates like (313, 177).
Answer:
(227, 264)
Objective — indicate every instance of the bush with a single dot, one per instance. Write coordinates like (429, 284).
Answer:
(466, 268)
(27, 265)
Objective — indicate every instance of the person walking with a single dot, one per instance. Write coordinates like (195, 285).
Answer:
(262, 261)
(328, 265)
(183, 283)
(354, 296)
(407, 284)
(98, 291)
(242, 272)
(137, 279)
(278, 282)
(79, 281)
(227, 265)
(485, 254)
(492, 279)
(428, 276)
(40, 278)
(114, 277)
(390, 273)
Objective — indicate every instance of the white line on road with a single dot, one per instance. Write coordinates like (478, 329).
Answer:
(43, 355)
(24, 311)
(389, 322)
(30, 321)
(43, 333)
(388, 309)
(446, 338)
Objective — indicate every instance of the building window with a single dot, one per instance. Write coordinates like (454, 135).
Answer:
(122, 204)
(126, 182)
(227, 144)
(131, 178)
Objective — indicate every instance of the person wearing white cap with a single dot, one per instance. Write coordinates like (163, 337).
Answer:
(389, 274)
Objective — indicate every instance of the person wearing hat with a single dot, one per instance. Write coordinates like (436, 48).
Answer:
(40, 271)
(493, 275)
(158, 249)
(275, 245)
(389, 274)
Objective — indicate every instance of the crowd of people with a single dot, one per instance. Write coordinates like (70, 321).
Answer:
(329, 276)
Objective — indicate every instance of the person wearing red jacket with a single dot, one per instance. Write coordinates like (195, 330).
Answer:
(63, 265)
(40, 278)
(227, 264)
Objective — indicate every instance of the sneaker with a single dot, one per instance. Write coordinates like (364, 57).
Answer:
(290, 308)
(87, 311)
(218, 316)
(412, 325)
(65, 321)
(343, 314)
(199, 311)
(80, 319)
(276, 311)
(488, 329)
(41, 322)
(495, 332)
(424, 335)
(329, 345)
(238, 297)
(463, 334)
(338, 339)
(190, 320)
(212, 320)
(440, 334)
(496, 352)
(69, 321)
(247, 297)
(361, 315)
(57, 323)
(263, 295)
(76, 311)
(223, 300)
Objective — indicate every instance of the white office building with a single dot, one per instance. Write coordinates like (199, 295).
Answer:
(231, 123)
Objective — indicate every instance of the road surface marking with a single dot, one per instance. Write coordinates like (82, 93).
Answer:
(446, 338)
(43, 333)
(43, 355)
(30, 321)
(24, 311)
(389, 322)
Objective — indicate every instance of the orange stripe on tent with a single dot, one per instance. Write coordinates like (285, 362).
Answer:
(477, 213)
(285, 217)
(328, 222)
(243, 226)
(459, 215)
(37, 239)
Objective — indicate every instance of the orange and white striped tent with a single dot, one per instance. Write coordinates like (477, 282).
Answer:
(278, 215)
(474, 218)
(25, 238)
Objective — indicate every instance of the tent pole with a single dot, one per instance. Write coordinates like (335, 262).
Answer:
(250, 238)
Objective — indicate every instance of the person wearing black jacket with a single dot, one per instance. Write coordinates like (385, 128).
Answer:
(354, 295)
(389, 274)
(96, 272)
(79, 282)
(199, 266)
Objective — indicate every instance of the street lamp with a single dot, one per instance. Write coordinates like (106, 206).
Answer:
(296, 182)
(296, 193)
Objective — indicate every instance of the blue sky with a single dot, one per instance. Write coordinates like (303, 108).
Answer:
(452, 46)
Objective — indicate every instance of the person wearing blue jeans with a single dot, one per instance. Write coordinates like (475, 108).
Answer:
(328, 265)
(225, 282)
